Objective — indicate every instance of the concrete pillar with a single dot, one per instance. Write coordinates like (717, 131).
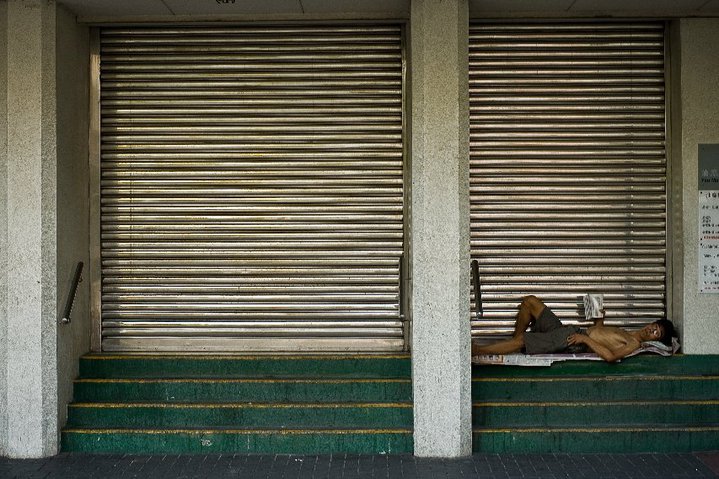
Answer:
(3, 227)
(30, 285)
(699, 119)
(440, 228)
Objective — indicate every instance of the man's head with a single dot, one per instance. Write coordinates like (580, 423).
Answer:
(660, 330)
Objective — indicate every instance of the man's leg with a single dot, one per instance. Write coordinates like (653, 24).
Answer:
(529, 310)
(507, 346)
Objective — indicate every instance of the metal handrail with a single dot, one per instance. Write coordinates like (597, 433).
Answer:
(479, 310)
(72, 293)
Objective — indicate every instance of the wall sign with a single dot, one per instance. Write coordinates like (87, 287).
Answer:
(709, 218)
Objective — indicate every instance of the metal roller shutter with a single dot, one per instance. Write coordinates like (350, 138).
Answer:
(568, 168)
(251, 188)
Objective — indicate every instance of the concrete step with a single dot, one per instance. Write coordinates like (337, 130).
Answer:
(590, 439)
(241, 415)
(239, 440)
(506, 414)
(594, 388)
(642, 365)
(243, 389)
(110, 366)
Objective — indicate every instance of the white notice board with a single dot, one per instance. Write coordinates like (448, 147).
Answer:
(709, 218)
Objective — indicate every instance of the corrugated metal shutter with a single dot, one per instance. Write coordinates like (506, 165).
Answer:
(252, 188)
(568, 168)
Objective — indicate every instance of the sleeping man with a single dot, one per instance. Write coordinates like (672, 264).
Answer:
(549, 335)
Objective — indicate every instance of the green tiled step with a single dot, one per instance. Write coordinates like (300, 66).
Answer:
(642, 365)
(169, 366)
(207, 440)
(577, 414)
(588, 388)
(618, 439)
(246, 390)
(246, 415)
(175, 404)
(643, 404)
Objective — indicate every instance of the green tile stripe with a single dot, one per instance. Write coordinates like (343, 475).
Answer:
(568, 389)
(132, 415)
(644, 364)
(237, 431)
(591, 403)
(102, 405)
(237, 380)
(597, 430)
(232, 390)
(622, 378)
(361, 441)
(157, 365)
(588, 440)
(506, 414)
(100, 381)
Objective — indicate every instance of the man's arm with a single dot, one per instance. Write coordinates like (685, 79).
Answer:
(604, 352)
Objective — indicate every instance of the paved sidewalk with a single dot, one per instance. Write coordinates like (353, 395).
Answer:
(345, 466)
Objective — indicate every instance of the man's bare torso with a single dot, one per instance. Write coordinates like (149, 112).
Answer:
(612, 337)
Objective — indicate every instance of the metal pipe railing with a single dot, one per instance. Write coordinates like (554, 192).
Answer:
(478, 310)
(72, 293)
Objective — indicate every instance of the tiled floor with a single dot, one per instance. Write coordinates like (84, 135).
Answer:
(505, 466)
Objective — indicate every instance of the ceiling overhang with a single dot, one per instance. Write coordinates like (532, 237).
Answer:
(112, 11)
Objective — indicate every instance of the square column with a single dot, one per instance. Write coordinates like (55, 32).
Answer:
(29, 200)
(3, 227)
(439, 231)
(696, 122)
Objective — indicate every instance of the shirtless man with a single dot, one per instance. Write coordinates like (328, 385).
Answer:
(548, 335)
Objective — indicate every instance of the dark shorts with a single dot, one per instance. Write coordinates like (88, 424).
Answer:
(548, 334)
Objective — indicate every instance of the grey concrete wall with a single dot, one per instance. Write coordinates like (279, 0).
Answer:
(440, 228)
(3, 228)
(699, 104)
(31, 368)
(72, 198)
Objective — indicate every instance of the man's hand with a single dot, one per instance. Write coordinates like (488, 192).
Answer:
(577, 338)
